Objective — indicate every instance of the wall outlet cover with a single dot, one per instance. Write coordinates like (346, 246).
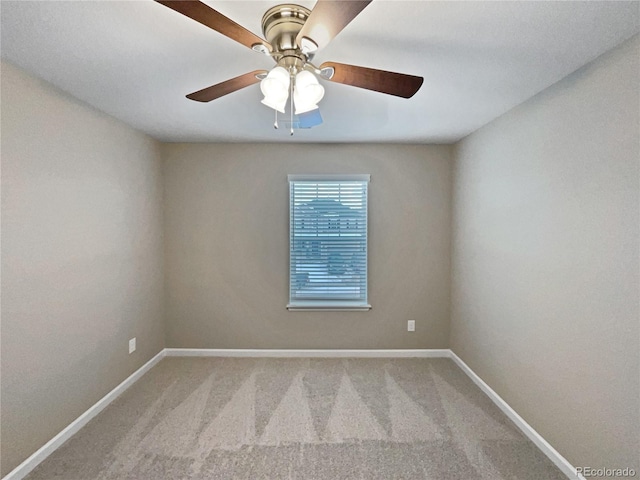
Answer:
(132, 345)
(411, 325)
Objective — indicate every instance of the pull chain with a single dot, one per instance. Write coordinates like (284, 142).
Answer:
(275, 123)
(291, 102)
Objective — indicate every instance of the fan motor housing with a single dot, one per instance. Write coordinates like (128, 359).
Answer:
(281, 24)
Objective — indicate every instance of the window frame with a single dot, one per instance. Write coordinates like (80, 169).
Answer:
(329, 304)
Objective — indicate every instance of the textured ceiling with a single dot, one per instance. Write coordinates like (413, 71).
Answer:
(137, 60)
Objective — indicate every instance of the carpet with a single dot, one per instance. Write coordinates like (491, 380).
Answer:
(268, 418)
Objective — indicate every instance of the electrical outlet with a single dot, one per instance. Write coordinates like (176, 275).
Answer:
(411, 325)
(132, 345)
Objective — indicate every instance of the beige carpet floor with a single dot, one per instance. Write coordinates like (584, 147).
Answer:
(247, 418)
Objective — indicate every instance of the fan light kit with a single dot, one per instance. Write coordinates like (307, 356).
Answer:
(293, 35)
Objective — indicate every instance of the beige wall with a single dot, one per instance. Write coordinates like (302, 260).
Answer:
(81, 259)
(227, 239)
(545, 260)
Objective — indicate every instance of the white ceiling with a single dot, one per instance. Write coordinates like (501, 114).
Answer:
(136, 60)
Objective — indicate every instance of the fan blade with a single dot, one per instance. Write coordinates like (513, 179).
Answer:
(224, 88)
(398, 84)
(213, 19)
(328, 18)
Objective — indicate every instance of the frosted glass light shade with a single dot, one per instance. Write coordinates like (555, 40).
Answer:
(308, 92)
(275, 88)
(302, 106)
(276, 104)
(276, 83)
(308, 87)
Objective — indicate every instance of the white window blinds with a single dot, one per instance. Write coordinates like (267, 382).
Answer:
(328, 242)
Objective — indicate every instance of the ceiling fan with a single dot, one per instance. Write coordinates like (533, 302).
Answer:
(293, 35)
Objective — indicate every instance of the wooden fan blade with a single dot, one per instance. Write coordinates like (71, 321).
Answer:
(391, 83)
(213, 19)
(328, 18)
(224, 88)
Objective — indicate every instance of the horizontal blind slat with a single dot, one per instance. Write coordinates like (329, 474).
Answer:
(328, 240)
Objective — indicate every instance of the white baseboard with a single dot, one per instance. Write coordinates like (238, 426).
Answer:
(48, 448)
(290, 353)
(546, 448)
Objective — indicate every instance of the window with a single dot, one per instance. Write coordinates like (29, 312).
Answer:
(328, 242)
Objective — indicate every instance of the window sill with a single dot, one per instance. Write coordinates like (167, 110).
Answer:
(328, 307)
